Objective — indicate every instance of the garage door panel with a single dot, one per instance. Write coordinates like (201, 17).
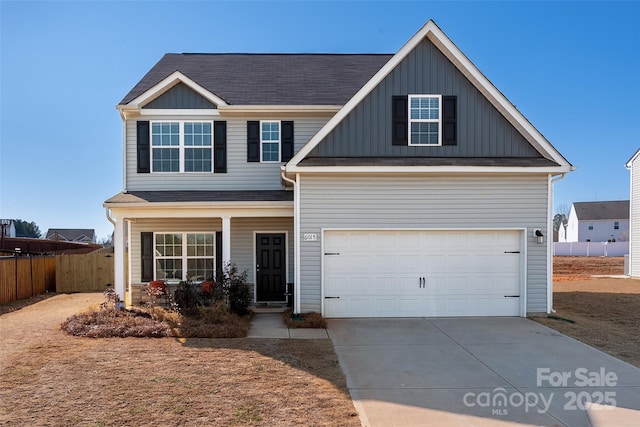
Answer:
(422, 273)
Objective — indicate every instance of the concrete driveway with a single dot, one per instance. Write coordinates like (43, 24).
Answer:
(482, 372)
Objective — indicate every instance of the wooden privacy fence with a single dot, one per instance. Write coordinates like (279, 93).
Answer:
(25, 277)
(84, 273)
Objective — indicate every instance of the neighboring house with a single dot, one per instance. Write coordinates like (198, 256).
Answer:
(378, 185)
(634, 215)
(7, 228)
(598, 222)
(77, 235)
(562, 232)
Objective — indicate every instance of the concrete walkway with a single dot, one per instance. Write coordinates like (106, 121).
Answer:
(271, 325)
(481, 372)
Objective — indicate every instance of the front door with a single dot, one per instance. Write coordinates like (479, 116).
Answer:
(270, 267)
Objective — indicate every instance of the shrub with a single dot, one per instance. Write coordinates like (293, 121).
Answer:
(108, 320)
(304, 320)
(233, 290)
(112, 322)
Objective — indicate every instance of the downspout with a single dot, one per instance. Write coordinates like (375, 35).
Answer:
(109, 217)
(552, 181)
(296, 239)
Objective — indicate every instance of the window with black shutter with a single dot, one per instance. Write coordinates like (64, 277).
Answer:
(220, 147)
(143, 147)
(146, 251)
(399, 118)
(253, 141)
(449, 115)
(287, 141)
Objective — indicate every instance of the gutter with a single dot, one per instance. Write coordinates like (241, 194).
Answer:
(296, 237)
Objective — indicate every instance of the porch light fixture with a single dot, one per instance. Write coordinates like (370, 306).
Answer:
(539, 236)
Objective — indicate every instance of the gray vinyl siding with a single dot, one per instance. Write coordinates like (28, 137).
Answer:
(241, 175)
(482, 130)
(423, 202)
(180, 96)
(242, 239)
(243, 243)
(634, 220)
(164, 225)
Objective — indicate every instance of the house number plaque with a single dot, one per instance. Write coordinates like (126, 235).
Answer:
(309, 237)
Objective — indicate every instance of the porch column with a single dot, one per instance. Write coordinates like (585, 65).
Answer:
(119, 257)
(226, 241)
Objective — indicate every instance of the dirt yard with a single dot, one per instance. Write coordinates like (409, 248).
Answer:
(51, 379)
(602, 312)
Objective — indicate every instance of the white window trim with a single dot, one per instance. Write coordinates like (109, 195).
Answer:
(184, 256)
(438, 120)
(181, 147)
(279, 141)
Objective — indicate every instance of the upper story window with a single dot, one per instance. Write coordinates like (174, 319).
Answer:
(270, 141)
(181, 146)
(590, 226)
(425, 119)
(616, 225)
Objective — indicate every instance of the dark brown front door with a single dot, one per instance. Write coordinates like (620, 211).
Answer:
(270, 267)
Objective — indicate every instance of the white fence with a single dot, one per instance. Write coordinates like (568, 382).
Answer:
(590, 248)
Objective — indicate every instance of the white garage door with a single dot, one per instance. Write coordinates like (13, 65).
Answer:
(407, 273)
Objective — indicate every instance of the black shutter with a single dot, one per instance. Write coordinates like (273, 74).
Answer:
(219, 266)
(253, 141)
(143, 148)
(287, 141)
(449, 114)
(220, 147)
(146, 252)
(399, 120)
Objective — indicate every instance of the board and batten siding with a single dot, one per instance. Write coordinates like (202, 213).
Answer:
(634, 220)
(429, 202)
(242, 239)
(482, 131)
(241, 175)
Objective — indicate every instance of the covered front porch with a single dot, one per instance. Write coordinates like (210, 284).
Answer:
(172, 237)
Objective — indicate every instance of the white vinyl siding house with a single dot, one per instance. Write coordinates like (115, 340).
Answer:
(634, 215)
(598, 222)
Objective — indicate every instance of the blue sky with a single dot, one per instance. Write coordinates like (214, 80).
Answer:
(572, 68)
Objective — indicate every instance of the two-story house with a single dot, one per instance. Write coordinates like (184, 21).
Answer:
(377, 185)
(633, 165)
(598, 222)
(78, 235)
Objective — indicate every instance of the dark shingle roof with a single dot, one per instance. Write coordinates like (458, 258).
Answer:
(269, 79)
(586, 211)
(201, 196)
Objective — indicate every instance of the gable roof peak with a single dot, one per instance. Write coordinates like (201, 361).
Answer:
(439, 39)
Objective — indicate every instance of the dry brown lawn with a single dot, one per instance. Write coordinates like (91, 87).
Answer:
(49, 378)
(601, 312)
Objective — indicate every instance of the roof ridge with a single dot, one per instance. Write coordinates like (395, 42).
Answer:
(282, 53)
